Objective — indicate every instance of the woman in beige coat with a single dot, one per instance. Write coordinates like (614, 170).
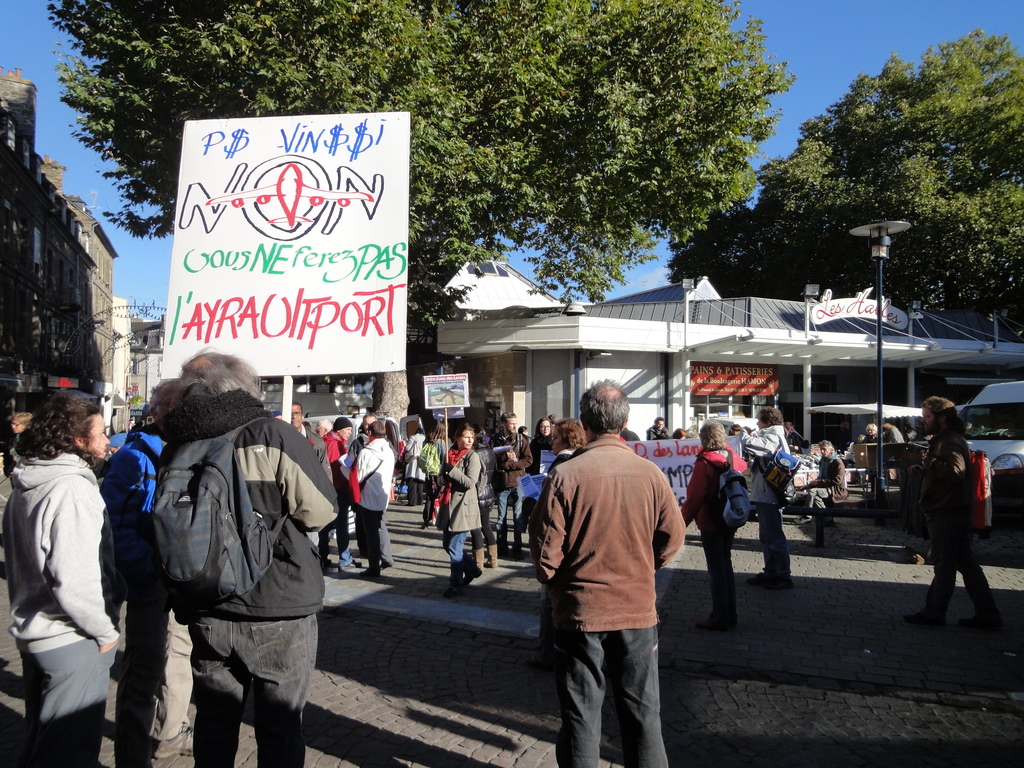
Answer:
(460, 508)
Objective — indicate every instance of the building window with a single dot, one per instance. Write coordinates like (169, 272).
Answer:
(819, 382)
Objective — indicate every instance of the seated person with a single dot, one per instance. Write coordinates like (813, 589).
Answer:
(830, 485)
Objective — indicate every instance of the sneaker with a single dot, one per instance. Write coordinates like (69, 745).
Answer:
(976, 622)
(924, 621)
(803, 520)
(452, 592)
(179, 745)
(762, 579)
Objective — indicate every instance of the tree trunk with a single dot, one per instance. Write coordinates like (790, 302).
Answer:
(391, 394)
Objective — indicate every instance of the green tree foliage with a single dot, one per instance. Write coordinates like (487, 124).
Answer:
(576, 131)
(940, 145)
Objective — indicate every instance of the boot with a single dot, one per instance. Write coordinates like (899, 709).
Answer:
(479, 555)
(470, 570)
(492, 557)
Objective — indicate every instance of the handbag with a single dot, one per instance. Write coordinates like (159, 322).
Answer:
(777, 472)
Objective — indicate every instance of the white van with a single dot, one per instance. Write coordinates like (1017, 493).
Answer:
(995, 425)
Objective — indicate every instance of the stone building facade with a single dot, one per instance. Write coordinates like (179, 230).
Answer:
(56, 271)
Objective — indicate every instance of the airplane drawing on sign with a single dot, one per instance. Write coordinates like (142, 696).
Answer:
(289, 191)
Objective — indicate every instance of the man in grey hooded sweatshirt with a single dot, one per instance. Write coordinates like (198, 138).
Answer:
(762, 445)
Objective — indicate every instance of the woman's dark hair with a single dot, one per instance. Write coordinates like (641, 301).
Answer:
(55, 426)
(463, 428)
(770, 416)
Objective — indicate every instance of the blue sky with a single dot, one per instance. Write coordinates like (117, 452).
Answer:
(825, 43)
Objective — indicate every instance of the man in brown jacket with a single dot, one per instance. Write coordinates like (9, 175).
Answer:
(512, 452)
(605, 521)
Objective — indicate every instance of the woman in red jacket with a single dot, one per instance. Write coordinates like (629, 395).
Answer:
(715, 536)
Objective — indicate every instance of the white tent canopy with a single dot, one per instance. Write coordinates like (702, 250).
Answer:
(867, 409)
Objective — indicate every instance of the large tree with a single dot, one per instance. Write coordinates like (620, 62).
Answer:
(577, 131)
(940, 145)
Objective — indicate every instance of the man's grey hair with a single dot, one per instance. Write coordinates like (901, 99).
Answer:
(826, 445)
(218, 372)
(327, 424)
(604, 408)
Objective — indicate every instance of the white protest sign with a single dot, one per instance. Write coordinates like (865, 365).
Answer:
(446, 390)
(675, 458)
(291, 243)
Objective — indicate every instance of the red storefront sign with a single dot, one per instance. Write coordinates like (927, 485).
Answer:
(731, 380)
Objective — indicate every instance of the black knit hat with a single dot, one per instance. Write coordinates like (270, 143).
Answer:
(341, 422)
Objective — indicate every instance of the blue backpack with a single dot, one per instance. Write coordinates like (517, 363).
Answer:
(211, 544)
(729, 503)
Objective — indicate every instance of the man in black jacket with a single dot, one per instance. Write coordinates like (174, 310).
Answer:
(514, 457)
(946, 503)
(266, 639)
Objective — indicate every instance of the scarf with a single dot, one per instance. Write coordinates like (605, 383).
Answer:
(455, 455)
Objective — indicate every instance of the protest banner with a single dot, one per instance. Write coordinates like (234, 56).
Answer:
(675, 458)
(291, 243)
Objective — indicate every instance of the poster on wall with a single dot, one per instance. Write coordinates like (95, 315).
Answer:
(291, 243)
(728, 380)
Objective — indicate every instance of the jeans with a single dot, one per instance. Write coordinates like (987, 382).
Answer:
(632, 660)
(65, 701)
(951, 552)
(340, 525)
(510, 495)
(718, 554)
(546, 632)
(461, 561)
(378, 541)
(773, 541)
(152, 681)
(274, 659)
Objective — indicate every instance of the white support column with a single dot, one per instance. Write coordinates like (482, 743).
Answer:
(685, 362)
(806, 432)
(911, 384)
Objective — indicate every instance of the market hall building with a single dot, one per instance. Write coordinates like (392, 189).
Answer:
(689, 354)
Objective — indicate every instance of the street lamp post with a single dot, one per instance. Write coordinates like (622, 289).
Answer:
(879, 242)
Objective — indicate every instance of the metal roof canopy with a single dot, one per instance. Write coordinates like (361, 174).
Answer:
(867, 409)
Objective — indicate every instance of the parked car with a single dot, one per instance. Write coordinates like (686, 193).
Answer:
(995, 425)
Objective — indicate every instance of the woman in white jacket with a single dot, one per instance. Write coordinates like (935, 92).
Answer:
(371, 490)
(65, 593)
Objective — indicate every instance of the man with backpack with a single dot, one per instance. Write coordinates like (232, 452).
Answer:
(262, 638)
(763, 444)
(155, 682)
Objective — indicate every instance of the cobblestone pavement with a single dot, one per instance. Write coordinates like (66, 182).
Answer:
(826, 674)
